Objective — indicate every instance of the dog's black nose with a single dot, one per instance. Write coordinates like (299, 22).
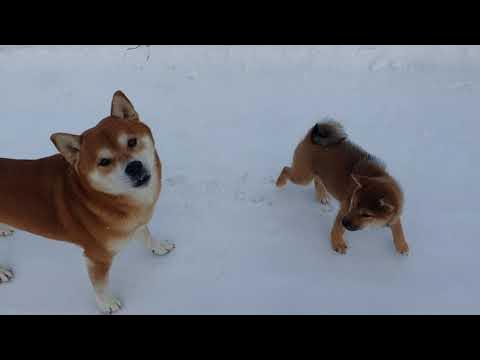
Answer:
(346, 223)
(134, 169)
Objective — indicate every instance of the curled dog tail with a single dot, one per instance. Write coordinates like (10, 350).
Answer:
(328, 132)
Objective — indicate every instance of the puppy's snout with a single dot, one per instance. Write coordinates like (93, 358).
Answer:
(134, 169)
(347, 224)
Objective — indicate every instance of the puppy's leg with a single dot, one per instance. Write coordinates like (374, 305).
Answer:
(301, 171)
(6, 275)
(300, 175)
(156, 246)
(283, 177)
(98, 271)
(321, 192)
(5, 230)
(338, 242)
(399, 238)
(322, 195)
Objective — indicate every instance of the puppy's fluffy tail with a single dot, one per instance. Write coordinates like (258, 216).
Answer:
(328, 132)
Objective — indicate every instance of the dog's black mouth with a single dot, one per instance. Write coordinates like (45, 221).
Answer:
(142, 180)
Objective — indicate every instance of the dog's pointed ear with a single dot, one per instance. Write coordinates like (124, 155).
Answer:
(385, 204)
(68, 145)
(122, 107)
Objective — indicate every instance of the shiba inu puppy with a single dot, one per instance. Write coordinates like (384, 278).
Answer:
(98, 193)
(368, 195)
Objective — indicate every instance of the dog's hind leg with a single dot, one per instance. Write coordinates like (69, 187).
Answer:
(294, 176)
(300, 172)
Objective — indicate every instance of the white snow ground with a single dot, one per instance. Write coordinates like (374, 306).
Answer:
(226, 120)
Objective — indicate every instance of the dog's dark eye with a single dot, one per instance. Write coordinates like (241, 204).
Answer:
(366, 215)
(132, 143)
(105, 162)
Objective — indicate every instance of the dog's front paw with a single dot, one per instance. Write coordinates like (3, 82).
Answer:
(325, 205)
(162, 248)
(402, 248)
(108, 304)
(339, 246)
(6, 275)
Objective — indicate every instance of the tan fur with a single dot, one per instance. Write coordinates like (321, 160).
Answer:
(367, 194)
(54, 197)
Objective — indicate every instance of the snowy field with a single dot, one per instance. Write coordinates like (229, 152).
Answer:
(226, 120)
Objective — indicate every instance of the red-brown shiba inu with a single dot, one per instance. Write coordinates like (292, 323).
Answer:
(98, 193)
(368, 195)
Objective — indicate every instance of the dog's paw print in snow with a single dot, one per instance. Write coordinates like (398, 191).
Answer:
(257, 199)
(367, 48)
(380, 63)
(240, 195)
(269, 180)
(176, 180)
(212, 186)
(192, 76)
(242, 192)
(462, 86)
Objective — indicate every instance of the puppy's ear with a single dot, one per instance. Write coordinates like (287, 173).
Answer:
(386, 205)
(122, 107)
(68, 145)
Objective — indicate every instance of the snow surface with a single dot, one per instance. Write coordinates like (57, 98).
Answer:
(226, 120)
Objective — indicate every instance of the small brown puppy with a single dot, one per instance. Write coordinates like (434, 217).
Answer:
(368, 195)
(98, 193)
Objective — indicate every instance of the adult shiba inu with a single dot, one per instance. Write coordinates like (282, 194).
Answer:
(98, 193)
(368, 195)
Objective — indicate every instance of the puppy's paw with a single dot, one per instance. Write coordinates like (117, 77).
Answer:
(6, 231)
(281, 182)
(339, 247)
(108, 304)
(282, 178)
(402, 249)
(6, 275)
(162, 248)
(325, 204)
